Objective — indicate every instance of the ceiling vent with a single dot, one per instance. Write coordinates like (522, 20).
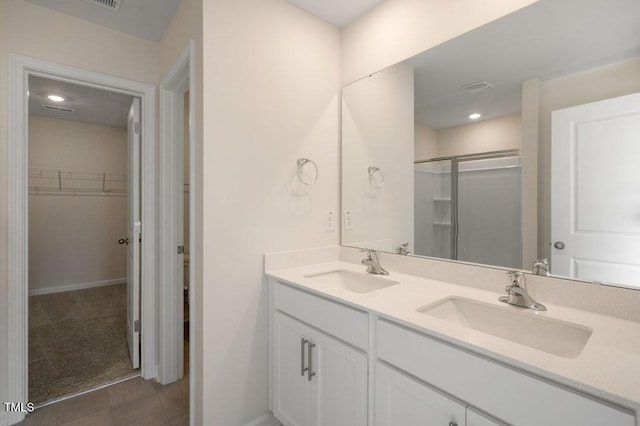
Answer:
(113, 5)
(56, 108)
(476, 87)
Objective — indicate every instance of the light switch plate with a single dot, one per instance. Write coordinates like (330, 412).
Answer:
(329, 221)
(348, 220)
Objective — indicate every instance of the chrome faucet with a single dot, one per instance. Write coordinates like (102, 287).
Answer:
(403, 249)
(540, 267)
(518, 295)
(372, 262)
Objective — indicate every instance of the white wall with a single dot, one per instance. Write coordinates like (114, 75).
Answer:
(426, 143)
(378, 130)
(271, 95)
(484, 136)
(600, 83)
(73, 238)
(398, 29)
(35, 31)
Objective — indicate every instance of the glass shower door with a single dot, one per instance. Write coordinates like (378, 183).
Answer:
(433, 209)
(489, 211)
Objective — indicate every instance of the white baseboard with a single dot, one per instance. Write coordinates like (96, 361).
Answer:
(71, 287)
(7, 418)
(266, 420)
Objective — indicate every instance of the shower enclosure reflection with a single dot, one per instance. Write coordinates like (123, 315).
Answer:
(468, 208)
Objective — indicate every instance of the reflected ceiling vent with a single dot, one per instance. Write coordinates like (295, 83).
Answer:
(56, 108)
(107, 4)
(478, 86)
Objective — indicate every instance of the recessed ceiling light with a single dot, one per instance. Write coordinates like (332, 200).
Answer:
(56, 98)
(475, 116)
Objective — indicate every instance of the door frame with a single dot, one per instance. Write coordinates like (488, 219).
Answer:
(179, 79)
(21, 67)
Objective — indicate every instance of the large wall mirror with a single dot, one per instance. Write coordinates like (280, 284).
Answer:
(517, 141)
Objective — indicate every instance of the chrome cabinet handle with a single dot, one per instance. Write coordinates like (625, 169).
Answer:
(310, 372)
(303, 342)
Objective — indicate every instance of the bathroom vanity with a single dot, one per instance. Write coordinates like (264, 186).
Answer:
(351, 348)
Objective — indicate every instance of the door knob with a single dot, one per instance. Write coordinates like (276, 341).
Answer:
(123, 241)
(559, 245)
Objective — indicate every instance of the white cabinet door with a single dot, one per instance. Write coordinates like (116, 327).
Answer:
(478, 418)
(334, 394)
(339, 386)
(290, 389)
(402, 401)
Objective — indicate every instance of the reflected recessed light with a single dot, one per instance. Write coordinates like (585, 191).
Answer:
(56, 98)
(475, 116)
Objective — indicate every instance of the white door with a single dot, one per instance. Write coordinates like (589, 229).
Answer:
(595, 201)
(133, 234)
(339, 386)
(401, 401)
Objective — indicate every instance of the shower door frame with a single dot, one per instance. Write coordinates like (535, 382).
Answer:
(455, 163)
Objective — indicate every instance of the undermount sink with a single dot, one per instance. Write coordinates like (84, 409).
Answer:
(358, 282)
(525, 327)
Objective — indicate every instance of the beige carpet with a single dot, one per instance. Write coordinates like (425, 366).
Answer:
(77, 341)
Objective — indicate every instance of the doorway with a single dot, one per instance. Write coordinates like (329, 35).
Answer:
(21, 69)
(82, 147)
(177, 214)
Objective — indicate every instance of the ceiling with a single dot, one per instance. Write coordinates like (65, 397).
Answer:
(547, 39)
(146, 19)
(89, 105)
(149, 19)
(336, 12)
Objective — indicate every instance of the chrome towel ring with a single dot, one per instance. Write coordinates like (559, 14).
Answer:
(307, 171)
(376, 177)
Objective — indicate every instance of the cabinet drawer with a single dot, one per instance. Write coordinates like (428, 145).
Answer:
(340, 321)
(513, 396)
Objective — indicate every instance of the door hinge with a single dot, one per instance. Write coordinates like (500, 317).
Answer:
(136, 326)
(180, 249)
(137, 128)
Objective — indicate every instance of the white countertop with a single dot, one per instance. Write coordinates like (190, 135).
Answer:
(608, 367)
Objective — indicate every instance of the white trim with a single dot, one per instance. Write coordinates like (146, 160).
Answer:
(170, 336)
(78, 286)
(21, 67)
(266, 420)
(180, 77)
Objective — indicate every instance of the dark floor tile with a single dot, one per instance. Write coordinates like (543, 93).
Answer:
(45, 416)
(129, 390)
(182, 420)
(83, 405)
(159, 419)
(99, 418)
(139, 409)
(175, 399)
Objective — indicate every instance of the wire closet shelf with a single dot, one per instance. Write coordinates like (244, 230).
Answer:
(50, 181)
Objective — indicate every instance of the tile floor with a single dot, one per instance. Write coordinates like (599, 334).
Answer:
(133, 402)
